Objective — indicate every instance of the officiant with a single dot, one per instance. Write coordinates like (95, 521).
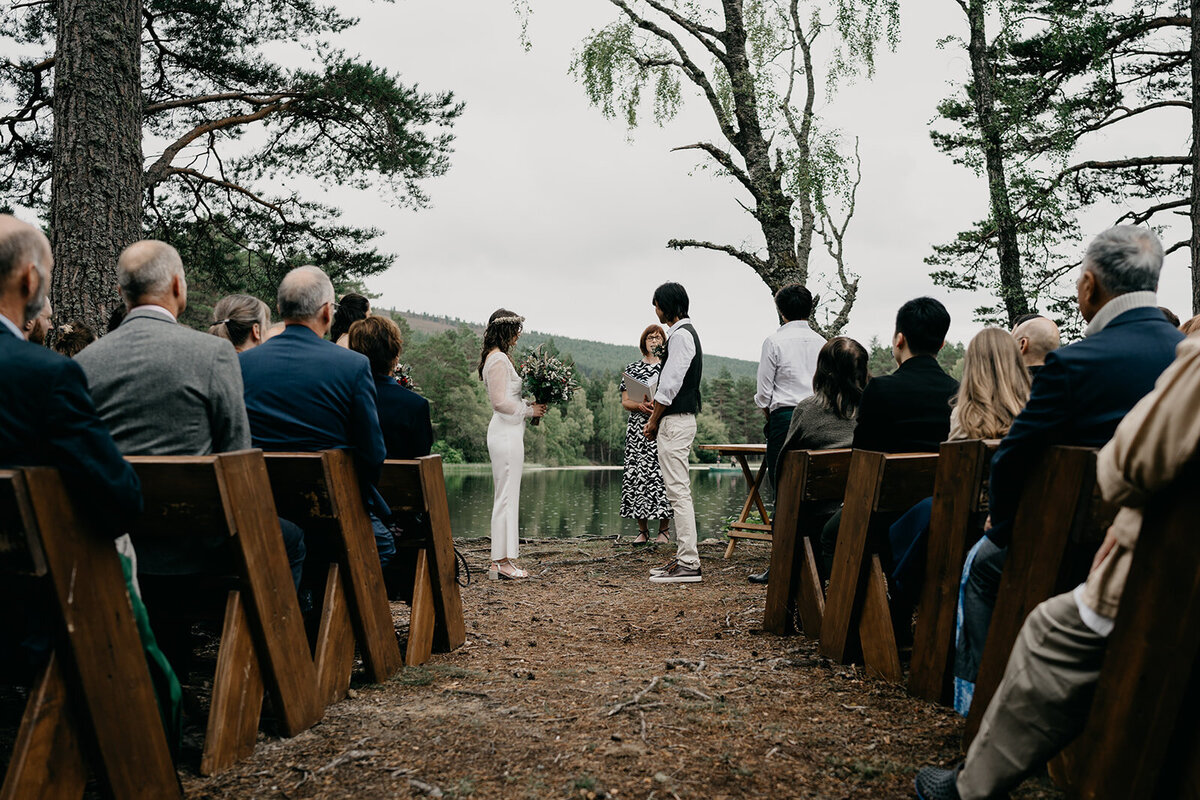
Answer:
(643, 494)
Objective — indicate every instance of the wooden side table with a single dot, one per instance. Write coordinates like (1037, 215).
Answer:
(740, 528)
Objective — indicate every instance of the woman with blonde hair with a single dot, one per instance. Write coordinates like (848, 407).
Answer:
(993, 390)
(241, 319)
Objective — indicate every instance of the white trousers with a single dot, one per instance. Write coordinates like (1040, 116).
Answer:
(675, 435)
(506, 447)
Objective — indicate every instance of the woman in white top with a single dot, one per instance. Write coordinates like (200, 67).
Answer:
(506, 438)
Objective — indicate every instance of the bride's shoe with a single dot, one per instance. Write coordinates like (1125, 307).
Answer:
(506, 570)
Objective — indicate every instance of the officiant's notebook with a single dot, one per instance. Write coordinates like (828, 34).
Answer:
(639, 392)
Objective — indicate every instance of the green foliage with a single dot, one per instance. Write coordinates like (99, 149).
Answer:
(450, 455)
(233, 135)
(881, 361)
(710, 429)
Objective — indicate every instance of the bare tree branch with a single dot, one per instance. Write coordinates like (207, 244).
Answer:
(725, 160)
(752, 260)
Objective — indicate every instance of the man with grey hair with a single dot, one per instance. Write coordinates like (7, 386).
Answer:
(1084, 390)
(304, 393)
(1036, 337)
(46, 414)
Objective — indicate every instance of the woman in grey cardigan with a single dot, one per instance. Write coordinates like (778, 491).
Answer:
(826, 420)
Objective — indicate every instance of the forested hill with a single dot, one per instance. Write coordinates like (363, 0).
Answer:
(592, 358)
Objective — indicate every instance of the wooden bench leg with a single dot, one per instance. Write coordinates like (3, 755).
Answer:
(335, 641)
(730, 546)
(880, 654)
(811, 596)
(421, 620)
(237, 696)
(450, 630)
(47, 763)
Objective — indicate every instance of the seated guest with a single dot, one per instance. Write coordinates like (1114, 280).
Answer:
(1078, 398)
(909, 410)
(306, 394)
(825, 420)
(116, 317)
(350, 309)
(241, 319)
(1043, 700)
(994, 389)
(164, 389)
(71, 337)
(1036, 336)
(403, 414)
(38, 327)
(47, 417)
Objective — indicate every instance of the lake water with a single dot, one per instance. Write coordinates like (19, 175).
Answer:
(560, 503)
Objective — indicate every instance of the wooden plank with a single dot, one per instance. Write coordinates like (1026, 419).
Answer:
(335, 641)
(880, 655)
(450, 629)
(909, 479)
(421, 620)
(961, 476)
(237, 695)
(843, 600)
(811, 601)
(1145, 698)
(47, 762)
(370, 613)
(108, 672)
(1055, 503)
(750, 530)
(270, 595)
(784, 577)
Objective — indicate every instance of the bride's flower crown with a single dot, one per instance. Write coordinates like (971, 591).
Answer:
(502, 320)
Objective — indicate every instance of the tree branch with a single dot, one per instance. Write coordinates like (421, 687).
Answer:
(191, 102)
(752, 260)
(228, 186)
(698, 31)
(724, 159)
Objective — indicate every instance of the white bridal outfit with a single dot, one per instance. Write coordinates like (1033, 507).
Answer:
(506, 446)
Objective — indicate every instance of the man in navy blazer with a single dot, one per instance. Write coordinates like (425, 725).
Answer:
(1078, 398)
(46, 414)
(304, 393)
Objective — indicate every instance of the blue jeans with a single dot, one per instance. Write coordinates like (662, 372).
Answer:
(385, 543)
(293, 543)
(977, 601)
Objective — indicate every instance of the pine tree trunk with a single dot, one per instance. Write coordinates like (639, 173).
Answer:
(1012, 290)
(96, 202)
(1195, 157)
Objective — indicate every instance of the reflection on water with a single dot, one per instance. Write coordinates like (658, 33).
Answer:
(558, 503)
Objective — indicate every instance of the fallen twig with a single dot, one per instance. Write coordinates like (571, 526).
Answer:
(637, 698)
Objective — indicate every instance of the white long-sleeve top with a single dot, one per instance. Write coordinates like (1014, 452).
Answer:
(787, 364)
(504, 389)
(681, 349)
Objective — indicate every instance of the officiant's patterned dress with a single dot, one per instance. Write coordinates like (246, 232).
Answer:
(643, 495)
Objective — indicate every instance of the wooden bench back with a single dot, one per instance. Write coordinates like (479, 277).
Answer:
(958, 488)
(1060, 522)
(96, 686)
(856, 610)
(1141, 738)
(805, 477)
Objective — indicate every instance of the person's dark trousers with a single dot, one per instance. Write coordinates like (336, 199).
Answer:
(775, 430)
(877, 542)
(293, 543)
(978, 602)
(829, 544)
(385, 543)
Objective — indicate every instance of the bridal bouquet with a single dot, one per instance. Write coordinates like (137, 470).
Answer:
(546, 378)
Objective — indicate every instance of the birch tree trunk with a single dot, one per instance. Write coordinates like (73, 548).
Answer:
(1195, 248)
(96, 196)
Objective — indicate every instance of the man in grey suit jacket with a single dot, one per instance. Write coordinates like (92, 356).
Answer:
(164, 389)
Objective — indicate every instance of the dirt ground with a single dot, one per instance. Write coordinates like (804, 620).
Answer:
(587, 681)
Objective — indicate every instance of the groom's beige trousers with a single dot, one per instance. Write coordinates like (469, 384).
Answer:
(675, 435)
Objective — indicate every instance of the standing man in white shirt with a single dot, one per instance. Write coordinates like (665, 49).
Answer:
(785, 373)
(673, 422)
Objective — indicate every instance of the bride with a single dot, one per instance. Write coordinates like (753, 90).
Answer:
(505, 438)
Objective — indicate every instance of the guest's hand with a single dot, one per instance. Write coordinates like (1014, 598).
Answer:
(646, 407)
(539, 409)
(650, 429)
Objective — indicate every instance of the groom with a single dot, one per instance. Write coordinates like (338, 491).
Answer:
(673, 421)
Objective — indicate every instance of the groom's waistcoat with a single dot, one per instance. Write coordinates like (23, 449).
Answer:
(688, 399)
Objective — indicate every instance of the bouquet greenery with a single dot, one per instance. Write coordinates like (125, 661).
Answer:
(546, 378)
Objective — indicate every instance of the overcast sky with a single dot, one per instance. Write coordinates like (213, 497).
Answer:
(560, 215)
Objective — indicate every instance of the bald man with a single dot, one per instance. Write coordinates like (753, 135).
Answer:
(46, 414)
(1036, 336)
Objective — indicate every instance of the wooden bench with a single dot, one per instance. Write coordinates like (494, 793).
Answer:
(856, 602)
(807, 479)
(1141, 738)
(1060, 521)
(263, 643)
(416, 490)
(320, 493)
(954, 526)
(94, 695)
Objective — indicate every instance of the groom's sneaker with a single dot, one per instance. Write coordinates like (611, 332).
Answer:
(665, 568)
(678, 574)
